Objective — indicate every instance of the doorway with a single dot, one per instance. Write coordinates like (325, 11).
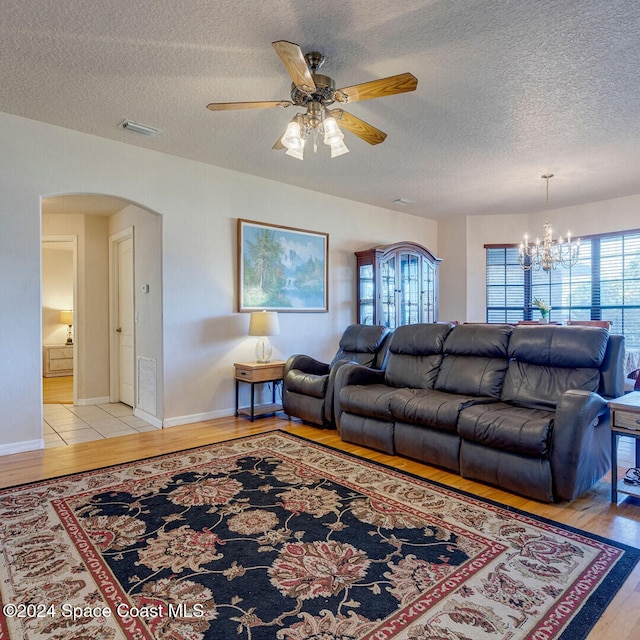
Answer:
(102, 225)
(59, 292)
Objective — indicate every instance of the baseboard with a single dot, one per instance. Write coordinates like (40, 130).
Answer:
(86, 402)
(197, 417)
(147, 417)
(21, 447)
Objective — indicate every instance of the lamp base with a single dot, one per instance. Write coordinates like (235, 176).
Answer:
(69, 341)
(263, 350)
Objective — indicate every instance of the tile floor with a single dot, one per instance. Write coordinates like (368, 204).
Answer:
(67, 424)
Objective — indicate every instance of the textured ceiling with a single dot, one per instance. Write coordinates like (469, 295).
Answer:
(507, 90)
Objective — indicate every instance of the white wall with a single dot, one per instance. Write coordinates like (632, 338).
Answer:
(199, 204)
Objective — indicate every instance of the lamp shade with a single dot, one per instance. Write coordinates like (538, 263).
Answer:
(264, 323)
(66, 317)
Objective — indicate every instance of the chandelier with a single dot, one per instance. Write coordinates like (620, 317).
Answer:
(318, 122)
(549, 253)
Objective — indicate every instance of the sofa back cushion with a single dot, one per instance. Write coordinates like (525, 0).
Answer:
(362, 344)
(415, 354)
(549, 360)
(475, 360)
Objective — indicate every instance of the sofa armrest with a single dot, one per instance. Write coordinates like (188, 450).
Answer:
(350, 373)
(580, 448)
(329, 404)
(306, 364)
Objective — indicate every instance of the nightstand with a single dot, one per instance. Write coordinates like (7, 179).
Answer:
(57, 360)
(259, 373)
(625, 421)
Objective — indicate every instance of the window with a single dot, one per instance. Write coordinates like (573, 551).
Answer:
(603, 285)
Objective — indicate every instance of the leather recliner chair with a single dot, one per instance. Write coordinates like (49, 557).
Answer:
(307, 388)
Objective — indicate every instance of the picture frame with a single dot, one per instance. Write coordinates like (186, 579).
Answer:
(282, 268)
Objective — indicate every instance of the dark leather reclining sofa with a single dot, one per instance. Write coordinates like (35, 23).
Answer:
(523, 408)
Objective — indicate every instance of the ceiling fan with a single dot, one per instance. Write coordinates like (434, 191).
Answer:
(316, 93)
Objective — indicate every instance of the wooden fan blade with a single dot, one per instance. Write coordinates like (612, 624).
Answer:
(378, 88)
(295, 64)
(278, 145)
(359, 127)
(229, 106)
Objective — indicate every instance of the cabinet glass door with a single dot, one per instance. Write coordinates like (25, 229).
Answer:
(388, 292)
(428, 293)
(366, 294)
(409, 289)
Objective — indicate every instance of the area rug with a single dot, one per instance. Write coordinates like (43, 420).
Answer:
(276, 537)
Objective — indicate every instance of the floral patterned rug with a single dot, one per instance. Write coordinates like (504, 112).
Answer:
(273, 537)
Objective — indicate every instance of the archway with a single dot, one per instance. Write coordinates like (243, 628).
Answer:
(93, 219)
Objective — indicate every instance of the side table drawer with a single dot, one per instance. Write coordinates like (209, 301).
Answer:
(261, 374)
(626, 420)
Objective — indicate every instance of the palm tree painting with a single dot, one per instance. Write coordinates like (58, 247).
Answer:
(282, 268)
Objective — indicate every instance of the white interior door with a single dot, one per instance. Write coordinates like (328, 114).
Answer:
(125, 335)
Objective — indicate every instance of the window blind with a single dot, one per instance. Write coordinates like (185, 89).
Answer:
(603, 285)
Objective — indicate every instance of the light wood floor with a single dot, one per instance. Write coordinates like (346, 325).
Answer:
(57, 390)
(591, 512)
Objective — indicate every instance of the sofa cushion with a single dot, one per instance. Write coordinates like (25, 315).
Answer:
(508, 428)
(307, 384)
(367, 400)
(559, 346)
(536, 387)
(429, 408)
(415, 353)
(549, 360)
(475, 360)
(360, 343)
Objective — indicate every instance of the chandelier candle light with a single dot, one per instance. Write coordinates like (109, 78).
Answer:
(264, 324)
(549, 253)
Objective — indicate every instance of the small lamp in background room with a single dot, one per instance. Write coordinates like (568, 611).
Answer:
(66, 317)
(264, 324)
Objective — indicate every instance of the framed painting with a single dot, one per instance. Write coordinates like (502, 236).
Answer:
(282, 268)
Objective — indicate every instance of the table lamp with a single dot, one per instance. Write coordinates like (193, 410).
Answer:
(66, 317)
(264, 324)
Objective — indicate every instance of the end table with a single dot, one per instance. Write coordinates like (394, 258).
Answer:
(625, 421)
(259, 373)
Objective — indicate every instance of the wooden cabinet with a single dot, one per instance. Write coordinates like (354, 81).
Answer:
(57, 360)
(397, 284)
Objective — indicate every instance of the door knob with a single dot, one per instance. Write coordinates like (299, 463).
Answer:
(119, 329)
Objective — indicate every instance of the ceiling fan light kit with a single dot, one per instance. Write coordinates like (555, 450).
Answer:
(315, 93)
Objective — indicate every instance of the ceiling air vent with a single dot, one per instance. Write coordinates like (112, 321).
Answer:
(136, 127)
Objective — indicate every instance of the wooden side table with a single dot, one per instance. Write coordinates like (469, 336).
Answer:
(258, 373)
(625, 421)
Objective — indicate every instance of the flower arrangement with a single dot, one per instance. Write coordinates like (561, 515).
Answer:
(543, 307)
